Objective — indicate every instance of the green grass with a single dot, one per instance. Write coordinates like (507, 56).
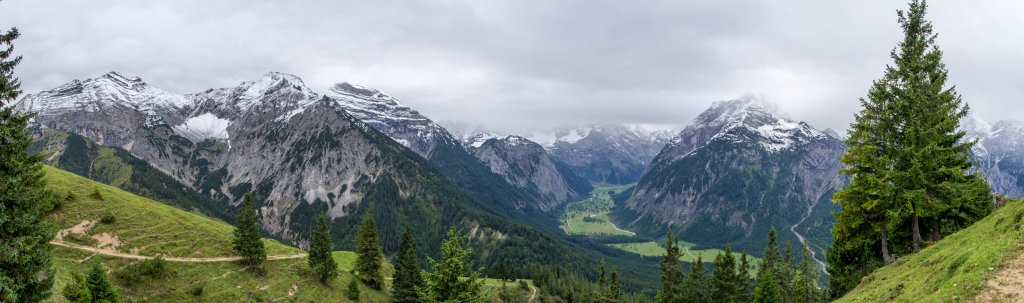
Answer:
(150, 228)
(221, 282)
(145, 227)
(954, 269)
(689, 254)
(596, 207)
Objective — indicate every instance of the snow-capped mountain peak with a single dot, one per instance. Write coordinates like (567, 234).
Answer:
(388, 115)
(110, 89)
(746, 118)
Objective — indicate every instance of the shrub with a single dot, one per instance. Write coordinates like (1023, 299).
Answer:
(196, 290)
(108, 219)
(523, 285)
(96, 194)
(77, 291)
(152, 269)
(353, 289)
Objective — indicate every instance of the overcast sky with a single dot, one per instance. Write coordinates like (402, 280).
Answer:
(525, 63)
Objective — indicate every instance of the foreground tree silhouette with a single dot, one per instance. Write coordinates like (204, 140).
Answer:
(320, 247)
(908, 164)
(453, 279)
(248, 242)
(407, 271)
(25, 259)
(369, 254)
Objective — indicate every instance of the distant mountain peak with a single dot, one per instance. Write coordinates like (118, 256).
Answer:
(389, 116)
(116, 78)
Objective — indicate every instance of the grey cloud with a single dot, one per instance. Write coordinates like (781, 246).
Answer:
(527, 62)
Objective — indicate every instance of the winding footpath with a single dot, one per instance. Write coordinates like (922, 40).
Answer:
(113, 253)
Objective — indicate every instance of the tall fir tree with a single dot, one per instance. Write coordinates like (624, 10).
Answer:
(805, 283)
(25, 201)
(673, 279)
(615, 292)
(785, 272)
(369, 254)
(99, 285)
(453, 279)
(698, 288)
(407, 271)
(907, 160)
(746, 286)
(723, 278)
(767, 289)
(320, 247)
(770, 271)
(602, 281)
(248, 242)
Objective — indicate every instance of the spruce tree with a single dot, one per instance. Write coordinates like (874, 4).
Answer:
(723, 278)
(932, 165)
(407, 271)
(615, 293)
(785, 272)
(248, 241)
(453, 279)
(25, 201)
(805, 283)
(602, 282)
(99, 285)
(746, 286)
(353, 290)
(77, 291)
(672, 277)
(369, 254)
(320, 247)
(767, 289)
(698, 288)
(907, 161)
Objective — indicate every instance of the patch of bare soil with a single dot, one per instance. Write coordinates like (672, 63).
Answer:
(81, 228)
(1007, 285)
(107, 240)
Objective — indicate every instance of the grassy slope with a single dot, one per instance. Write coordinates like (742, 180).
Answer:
(952, 270)
(149, 228)
(154, 228)
(145, 225)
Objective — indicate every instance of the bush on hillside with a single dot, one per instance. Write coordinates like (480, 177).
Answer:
(147, 270)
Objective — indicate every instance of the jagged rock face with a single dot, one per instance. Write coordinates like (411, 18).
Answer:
(273, 136)
(999, 153)
(528, 166)
(609, 153)
(391, 117)
(737, 170)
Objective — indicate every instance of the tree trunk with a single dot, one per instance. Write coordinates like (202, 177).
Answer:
(936, 235)
(916, 227)
(886, 256)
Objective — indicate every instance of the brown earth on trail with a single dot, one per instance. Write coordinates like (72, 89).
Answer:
(1007, 285)
(81, 228)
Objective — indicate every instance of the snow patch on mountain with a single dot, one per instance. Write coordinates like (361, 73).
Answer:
(204, 126)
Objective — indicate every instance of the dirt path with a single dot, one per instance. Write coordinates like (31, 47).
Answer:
(1007, 285)
(114, 253)
(532, 295)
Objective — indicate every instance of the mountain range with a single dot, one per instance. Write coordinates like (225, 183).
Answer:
(348, 152)
(740, 168)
